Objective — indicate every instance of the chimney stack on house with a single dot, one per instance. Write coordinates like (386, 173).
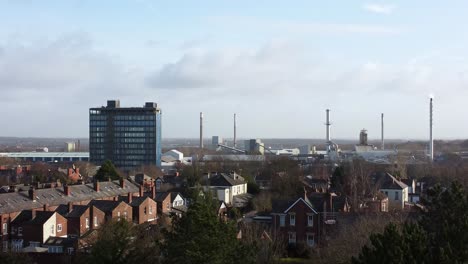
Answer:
(153, 192)
(66, 190)
(130, 196)
(96, 185)
(45, 207)
(122, 183)
(32, 193)
(141, 190)
(70, 207)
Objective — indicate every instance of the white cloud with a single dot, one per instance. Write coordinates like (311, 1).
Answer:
(379, 8)
(244, 23)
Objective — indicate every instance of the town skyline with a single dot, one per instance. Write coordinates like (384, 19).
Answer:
(277, 66)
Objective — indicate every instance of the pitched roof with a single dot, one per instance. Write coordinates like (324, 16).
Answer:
(105, 205)
(78, 211)
(18, 201)
(283, 206)
(161, 196)
(41, 218)
(279, 206)
(388, 181)
(223, 179)
(24, 216)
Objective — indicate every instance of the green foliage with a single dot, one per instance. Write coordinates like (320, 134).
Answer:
(121, 242)
(15, 258)
(200, 236)
(107, 171)
(446, 221)
(440, 236)
(252, 186)
(395, 247)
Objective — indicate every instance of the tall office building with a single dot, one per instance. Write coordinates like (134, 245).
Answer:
(128, 136)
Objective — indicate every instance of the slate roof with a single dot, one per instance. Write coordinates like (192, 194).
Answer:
(137, 201)
(60, 241)
(388, 181)
(77, 211)
(41, 217)
(18, 201)
(160, 196)
(224, 180)
(105, 205)
(24, 216)
(279, 206)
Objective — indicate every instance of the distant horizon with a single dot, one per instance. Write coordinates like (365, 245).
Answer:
(247, 138)
(278, 66)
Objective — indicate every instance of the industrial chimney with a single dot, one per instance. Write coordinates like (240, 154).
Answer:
(201, 130)
(382, 131)
(235, 143)
(431, 139)
(328, 124)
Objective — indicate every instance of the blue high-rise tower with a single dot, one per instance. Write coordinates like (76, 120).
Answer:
(130, 137)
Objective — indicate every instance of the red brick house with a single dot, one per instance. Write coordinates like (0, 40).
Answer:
(163, 200)
(81, 218)
(296, 221)
(113, 209)
(33, 228)
(144, 208)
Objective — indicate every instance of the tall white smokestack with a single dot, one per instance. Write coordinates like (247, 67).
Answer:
(201, 130)
(431, 139)
(328, 124)
(235, 144)
(382, 130)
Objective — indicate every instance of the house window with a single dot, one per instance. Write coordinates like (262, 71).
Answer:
(20, 231)
(5, 246)
(5, 228)
(95, 221)
(158, 185)
(34, 244)
(310, 240)
(292, 238)
(292, 219)
(396, 196)
(125, 215)
(310, 220)
(144, 210)
(70, 250)
(151, 210)
(87, 223)
(52, 229)
(59, 228)
(282, 220)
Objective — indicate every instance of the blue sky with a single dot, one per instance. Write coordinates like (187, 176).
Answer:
(278, 64)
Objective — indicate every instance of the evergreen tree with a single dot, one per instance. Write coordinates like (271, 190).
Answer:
(106, 171)
(394, 246)
(440, 236)
(120, 242)
(446, 221)
(200, 236)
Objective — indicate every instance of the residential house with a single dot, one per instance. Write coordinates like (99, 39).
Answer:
(225, 186)
(144, 208)
(19, 198)
(296, 221)
(393, 188)
(81, 218)
(113, 209)
(163, 201)
(61, 245)
(33, 228)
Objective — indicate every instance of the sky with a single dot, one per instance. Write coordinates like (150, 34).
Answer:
(277, 64)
